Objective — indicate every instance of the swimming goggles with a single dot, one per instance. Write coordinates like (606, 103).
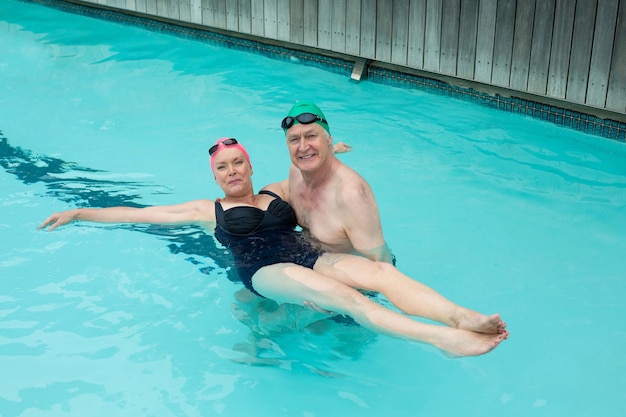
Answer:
(304, 118)
(227, 142)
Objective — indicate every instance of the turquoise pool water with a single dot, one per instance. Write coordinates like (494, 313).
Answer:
(498, 212)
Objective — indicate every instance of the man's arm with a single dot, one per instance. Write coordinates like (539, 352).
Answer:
(281, 188)
(361, 220)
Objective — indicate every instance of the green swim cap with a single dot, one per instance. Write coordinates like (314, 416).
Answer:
(304, 107)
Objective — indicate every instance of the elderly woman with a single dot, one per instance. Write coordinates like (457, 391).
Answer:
(274, 261)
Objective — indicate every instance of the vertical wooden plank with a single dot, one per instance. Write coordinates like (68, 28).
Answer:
(283, 20)
(245, 18)
(417, 33)
(450, 36)
(561, 49)
(162, 8)
(468, 28)
(324, 25)
(232, 14)
(338, 26)
(311, 8)
(195, 8)
(522, 41)
(353, 27)
(616, 95)
(257, 24)
(151, 7)
(601, 50)
(368, 29)
(173, 11)
(384, 16)
(400, 32)
(212, 9)
(271, 22)
(140, 6)
(578, 77)
(296, 22)
(219, 17)
(485, 40)
(540, 49)
(185, 10)
(432, 43)
(207, 12)
(503, 45)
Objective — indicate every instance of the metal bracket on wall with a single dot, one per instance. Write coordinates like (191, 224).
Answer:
(359, 72)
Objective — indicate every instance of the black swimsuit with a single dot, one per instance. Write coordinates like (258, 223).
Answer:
(258, 238)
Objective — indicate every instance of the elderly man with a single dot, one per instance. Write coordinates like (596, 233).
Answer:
(333, 203)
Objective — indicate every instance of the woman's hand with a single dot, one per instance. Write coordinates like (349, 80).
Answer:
(59, 219)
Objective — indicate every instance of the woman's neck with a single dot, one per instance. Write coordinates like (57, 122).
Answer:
(248, 199)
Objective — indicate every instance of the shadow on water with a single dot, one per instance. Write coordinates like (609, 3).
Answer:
(276, 332)
(73, 184)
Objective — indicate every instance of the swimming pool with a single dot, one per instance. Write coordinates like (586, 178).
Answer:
(498, 212)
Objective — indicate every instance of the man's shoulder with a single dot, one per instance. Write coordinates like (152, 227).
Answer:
(281, 188)
(351, 186)
(349, 178)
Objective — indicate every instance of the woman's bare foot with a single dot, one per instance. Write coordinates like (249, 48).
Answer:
(459, 342)
(476, 322)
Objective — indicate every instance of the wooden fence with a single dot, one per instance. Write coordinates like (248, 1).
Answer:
(569, 50)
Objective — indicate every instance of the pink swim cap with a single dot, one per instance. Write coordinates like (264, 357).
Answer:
(223, 143)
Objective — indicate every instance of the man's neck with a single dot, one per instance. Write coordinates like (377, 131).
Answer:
(322, 175)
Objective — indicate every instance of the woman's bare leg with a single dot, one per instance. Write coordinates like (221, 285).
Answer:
(409, 295)
(288, 283)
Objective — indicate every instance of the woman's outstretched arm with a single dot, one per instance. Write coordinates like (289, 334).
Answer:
(196, 211)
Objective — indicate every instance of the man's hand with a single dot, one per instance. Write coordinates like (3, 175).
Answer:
(341, 147)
